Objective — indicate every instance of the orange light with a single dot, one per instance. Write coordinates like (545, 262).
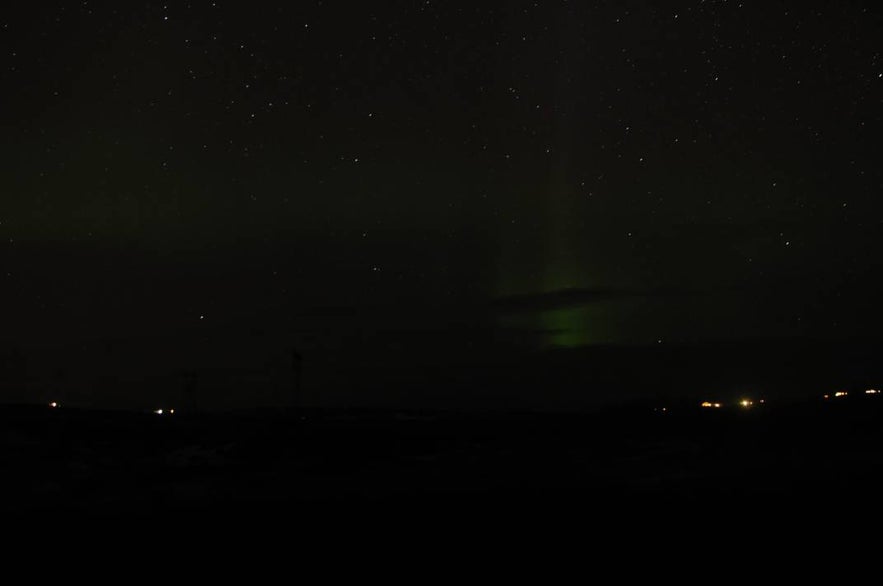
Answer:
(840, 394)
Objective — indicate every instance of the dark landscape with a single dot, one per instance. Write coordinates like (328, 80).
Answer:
(815, 453)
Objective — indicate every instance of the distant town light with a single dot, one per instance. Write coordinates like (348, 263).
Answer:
(710, 405)
(171, 411)
(840, 394)
(158, 411)
(826, 396)
(872, 392)
(53, 404)
(746, 403)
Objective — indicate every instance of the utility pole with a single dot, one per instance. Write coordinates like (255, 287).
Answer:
(296, 369)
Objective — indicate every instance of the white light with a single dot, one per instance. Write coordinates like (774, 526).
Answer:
(158, 411)
(171, 411)
(872, 392)
(53, 404)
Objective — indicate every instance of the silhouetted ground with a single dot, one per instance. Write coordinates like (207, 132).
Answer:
(811, 456)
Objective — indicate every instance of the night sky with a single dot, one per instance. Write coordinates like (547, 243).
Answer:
(402, 185)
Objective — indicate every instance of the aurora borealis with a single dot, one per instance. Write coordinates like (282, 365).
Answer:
(438, 178)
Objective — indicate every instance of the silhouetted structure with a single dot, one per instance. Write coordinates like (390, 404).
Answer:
(296, 369)
(190, 381)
